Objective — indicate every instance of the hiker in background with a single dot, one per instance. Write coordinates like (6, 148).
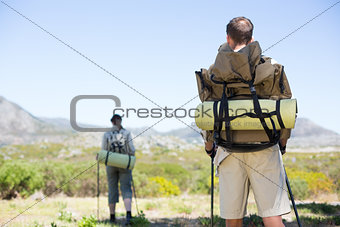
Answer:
(261, 170)
(119, 140)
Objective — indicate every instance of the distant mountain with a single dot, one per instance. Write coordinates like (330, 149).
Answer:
(60, 123)
(307, 133)
(306, 128)
(190, 134)
(18, 126)
(143, 131)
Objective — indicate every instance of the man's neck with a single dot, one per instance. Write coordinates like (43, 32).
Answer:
(115, 127)
(238, 47)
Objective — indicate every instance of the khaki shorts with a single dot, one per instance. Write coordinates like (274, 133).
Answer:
(263, 172)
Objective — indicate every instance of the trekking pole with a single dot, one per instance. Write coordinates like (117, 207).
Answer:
(134, 192)
(98, 190)
(292, 198)
(212, 194)
(283, 151)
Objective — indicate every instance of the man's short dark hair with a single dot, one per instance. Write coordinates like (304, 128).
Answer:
(240, 30)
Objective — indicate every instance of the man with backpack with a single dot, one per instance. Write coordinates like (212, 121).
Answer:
(239, 169)
(119, 140)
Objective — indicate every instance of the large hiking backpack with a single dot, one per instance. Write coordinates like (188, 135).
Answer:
(244, 75)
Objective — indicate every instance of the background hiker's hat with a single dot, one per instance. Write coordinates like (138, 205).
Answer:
(116, 116)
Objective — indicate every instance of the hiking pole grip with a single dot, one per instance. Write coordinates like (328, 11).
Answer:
(292, 199)
(212, 194)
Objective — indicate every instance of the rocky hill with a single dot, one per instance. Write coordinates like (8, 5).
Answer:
(19, 126)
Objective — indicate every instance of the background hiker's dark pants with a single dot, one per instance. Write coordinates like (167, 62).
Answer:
(124, 176)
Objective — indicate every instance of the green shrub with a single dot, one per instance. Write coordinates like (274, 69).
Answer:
(66, 216)
(317, 182)
(253, 220)
(201, 182)
(217, 221)
(320, 208)
(299, 188)
(317, 221)
(89, 221)
(144, 186)
(171, 171)
(140, 220)
(24, 178)
(19, 177)
(334, 173)
(57, 175)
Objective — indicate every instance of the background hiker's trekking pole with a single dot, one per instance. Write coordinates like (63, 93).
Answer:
(212, 194)
(134, 192)
(98, 190)
(292, 199)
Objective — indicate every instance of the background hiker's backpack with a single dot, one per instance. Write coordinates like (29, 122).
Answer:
(263, 80)
(117, 142)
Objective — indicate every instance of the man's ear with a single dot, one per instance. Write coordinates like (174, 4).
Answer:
(252, 39)
(228, 39)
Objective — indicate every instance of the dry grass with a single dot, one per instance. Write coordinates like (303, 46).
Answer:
(183, 210)
(175, 210)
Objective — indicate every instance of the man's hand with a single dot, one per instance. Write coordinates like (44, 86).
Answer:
(210, 148)
(282, 145)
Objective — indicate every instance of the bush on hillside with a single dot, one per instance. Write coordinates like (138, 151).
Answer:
(18, 177)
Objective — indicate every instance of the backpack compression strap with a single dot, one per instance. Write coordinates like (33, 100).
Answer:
(128, 165)
(259, 113)
(107, 157)
(223, 116)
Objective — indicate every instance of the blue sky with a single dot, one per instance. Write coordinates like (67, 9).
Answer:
(155, 47)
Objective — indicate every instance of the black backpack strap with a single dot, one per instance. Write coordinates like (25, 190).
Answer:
(108, 146)
(220, 117)
(216, 81)
(244, 147)
(278, 114)
(281, 85)
(128, 165)
(107, 157)
(225, 109)
(119, 148)
(258, 111)
(199, 73)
